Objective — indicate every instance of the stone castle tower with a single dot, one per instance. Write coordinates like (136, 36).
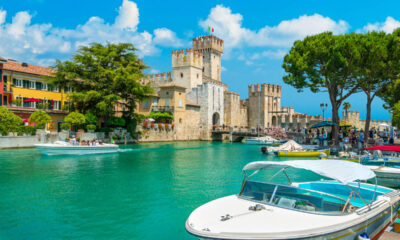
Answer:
(187, 68)
(264, 105)
(212, 48)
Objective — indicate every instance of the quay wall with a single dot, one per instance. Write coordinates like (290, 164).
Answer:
(18, 141)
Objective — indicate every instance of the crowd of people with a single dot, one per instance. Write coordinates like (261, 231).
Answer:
(352, 136)
(74, 141)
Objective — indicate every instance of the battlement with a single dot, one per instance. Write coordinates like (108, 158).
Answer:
(266, 89)
(157, 79)
(209, 42)
(351, 114)
(188, 57)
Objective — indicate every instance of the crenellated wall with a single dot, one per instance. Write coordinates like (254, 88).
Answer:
(187, 68)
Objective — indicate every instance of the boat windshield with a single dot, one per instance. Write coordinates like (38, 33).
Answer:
(294, 198)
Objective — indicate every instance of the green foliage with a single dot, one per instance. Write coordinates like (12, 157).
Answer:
(40, 118)
(65, 126)
(107, 73)
(90, 118)
(116, 121)
(396, 115)
(28, 129)
(18, 102)
(105, 129)
(91, 127)
(9, 122)
(160, 117)
(75, 119)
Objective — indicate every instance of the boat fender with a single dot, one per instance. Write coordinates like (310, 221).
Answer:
(322, 155)
(363, 236)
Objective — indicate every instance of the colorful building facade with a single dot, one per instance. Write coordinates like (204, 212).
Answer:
(25, 89)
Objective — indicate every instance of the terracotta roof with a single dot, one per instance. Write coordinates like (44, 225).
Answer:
(32, 69)
(2, 59)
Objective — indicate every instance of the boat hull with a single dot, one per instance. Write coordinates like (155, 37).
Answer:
(261, 142)
(302, 154)
(76, 150)
(373, 226)
(388, 179)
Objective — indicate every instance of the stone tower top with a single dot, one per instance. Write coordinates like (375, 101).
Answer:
(265, 90)
(207, 43)
(182, 58)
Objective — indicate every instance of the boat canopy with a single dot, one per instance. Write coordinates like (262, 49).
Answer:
(288, 146)
(323, 124)
(389, 148)
(342, 171)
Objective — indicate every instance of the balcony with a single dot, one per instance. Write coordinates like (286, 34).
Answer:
(162, 108)
(16, 108)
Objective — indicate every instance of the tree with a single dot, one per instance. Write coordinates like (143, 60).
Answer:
(62, 77)
(40, 118)
(396, 115)
(90, 119)
(104, 75)
(346, 107)
(75, 120)
(9, 122)
(323, 62)
(377, 67)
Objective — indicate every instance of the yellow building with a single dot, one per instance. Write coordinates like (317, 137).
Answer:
(24, 90)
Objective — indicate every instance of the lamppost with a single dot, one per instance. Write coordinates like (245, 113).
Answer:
(323, 107)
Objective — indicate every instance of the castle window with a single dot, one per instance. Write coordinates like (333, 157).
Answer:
(181, 75)
(166, 93)
(203, 69)
(180, 120)
(180, 103)
(197, 75)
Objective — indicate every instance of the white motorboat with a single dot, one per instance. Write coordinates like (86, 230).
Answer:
(339, 209)
(387, 176)
(64, 148)
(265, 140)
(287, 146)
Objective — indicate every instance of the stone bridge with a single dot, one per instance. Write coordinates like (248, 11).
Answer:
(232, 136)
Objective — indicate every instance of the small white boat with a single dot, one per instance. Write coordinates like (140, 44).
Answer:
(287, 146)
(340, 209)
(387, 176)
(266, 140)
(64, 148)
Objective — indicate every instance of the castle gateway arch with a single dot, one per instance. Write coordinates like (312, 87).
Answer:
(215, 119)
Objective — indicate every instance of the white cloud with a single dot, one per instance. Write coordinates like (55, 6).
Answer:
(154, 71)
(166, 37)
(228, 26)
(223, 69)
(278, 54)
(41, 43)
(388, 26)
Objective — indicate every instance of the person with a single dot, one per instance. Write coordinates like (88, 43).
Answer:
(361, 139)
(340, 135)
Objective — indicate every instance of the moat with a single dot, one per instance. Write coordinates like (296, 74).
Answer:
(145, 192)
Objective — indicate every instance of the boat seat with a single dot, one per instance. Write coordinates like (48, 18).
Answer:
(286, 202)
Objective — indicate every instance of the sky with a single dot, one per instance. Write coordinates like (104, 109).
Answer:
(257, 34)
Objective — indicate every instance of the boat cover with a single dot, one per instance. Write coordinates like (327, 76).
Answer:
(288, 146)
(389, 148)
(342, 171)
(266, 138)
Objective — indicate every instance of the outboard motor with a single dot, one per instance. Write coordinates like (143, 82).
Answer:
(264, 150)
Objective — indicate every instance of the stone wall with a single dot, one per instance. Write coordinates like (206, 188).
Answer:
(18, 141)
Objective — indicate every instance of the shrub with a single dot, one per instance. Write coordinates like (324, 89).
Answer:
(90, 119)
(160, 117)
(105, 129)
(29, 130)
(9, 122)
(65, 107)
(145, 125)
(116, 121)
(43, 105)
(18, 102)
(91, 127)
(116, 137)
(65, 126)
(40, 118)
(75, 119)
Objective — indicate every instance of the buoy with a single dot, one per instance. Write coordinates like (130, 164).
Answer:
(363, 236)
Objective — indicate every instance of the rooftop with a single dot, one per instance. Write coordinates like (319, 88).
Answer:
(27, 68)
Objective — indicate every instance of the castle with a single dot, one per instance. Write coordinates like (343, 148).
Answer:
(199, 101)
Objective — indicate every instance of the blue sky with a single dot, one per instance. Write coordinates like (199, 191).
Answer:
(257, 34)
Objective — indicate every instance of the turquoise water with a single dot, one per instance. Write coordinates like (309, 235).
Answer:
(145, 192)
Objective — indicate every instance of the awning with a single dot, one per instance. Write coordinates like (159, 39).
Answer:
(384, 125)
(345, 124)
(323, 124)
(32, 100)
(342, 171)
(389, 148)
